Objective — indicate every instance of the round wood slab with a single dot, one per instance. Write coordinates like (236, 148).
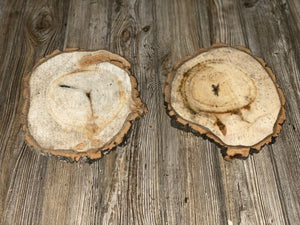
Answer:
(229, 95)
(79, 103)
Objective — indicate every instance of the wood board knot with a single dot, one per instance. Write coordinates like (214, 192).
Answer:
(40, 25)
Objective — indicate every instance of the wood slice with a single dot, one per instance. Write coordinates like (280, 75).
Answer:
(229, 95)
(79, 103)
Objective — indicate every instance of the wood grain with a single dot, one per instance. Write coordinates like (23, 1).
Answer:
(162, 174)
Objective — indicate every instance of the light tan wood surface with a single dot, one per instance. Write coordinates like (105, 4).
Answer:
(80, 103)
(229, 95)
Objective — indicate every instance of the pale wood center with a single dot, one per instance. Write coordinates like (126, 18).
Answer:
(217, 87)
(76, 99)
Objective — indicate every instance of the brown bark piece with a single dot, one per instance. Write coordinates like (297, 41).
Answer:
(79, 103)
(228, 94)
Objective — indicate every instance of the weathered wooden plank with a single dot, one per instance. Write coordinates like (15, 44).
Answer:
(193, 192)
(162, 175)
(23, 201)
(77, 196)
(132, 196)
(10, 23)
(284, 58)
(292, 11)
(33, 28)
(282, 55)
(120, 188)
(251, 186)
(87, 25)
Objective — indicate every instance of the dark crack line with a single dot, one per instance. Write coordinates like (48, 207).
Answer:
(88, 95)
(66, 86)
(221, 126)
(216, 89)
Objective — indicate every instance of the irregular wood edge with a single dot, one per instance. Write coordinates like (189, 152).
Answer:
(116, 140)
(232, 152)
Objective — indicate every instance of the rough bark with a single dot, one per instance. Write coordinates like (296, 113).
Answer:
(229, 95)
(79, 103)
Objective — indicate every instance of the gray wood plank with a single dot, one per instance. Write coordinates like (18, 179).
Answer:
(79, 187)
(280, 48)
(162, 174)
(133, 194)
(262, 192)
(33, 29)
(245, 202)
(10, 23)
(193, 191)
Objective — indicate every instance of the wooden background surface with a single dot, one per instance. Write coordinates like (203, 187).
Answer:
(162, 175)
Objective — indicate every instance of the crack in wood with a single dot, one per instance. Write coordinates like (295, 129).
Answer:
(88, 95)
(67, 86)
(216, 89)
(221, 126)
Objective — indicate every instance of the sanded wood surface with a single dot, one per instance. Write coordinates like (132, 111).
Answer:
(161, 175)
(79, 103)
(228, 95)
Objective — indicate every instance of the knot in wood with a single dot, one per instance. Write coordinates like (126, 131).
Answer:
(250, 3)
(146, 28)
(125, 35)
(40, 26)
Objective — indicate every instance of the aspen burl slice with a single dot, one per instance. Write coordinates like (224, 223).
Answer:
(229, 95)
(79, 103)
